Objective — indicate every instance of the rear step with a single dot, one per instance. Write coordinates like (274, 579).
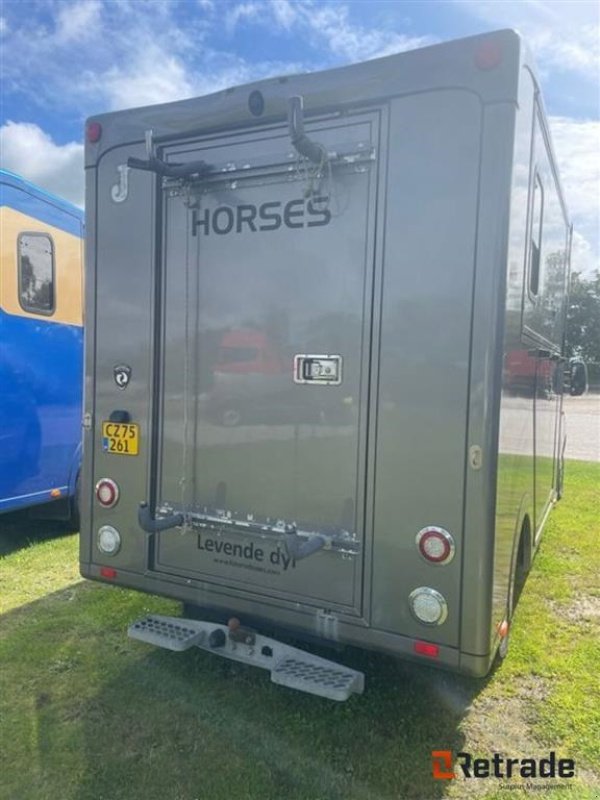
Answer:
(289, 666)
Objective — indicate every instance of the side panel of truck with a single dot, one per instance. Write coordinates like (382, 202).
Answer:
(529, 442)
(425, 336)
(481, 538)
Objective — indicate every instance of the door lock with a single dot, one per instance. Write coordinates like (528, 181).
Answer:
(322, 370)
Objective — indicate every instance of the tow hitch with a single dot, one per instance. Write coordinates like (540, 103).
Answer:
(289, 666)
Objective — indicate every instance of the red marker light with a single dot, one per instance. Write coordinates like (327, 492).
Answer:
(108, 572)
(488, 55)
(426, 649)
(94, 132)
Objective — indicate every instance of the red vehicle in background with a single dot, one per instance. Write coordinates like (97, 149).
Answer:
(252, 380)
(526, 373)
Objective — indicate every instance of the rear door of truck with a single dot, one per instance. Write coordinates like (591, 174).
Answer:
(263, 357)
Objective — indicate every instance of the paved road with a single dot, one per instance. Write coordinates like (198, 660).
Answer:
(583, 427)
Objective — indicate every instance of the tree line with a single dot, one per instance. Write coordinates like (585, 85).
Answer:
(583, 318)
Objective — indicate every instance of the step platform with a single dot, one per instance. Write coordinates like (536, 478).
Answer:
(289, 666)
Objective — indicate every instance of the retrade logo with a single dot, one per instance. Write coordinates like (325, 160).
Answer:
(441, 764)
(499, 767)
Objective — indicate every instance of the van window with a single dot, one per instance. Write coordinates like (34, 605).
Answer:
(36, 273)
(536, 236)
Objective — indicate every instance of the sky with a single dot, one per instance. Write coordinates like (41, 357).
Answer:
(62, 61)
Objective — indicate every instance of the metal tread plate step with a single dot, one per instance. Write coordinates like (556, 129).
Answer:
(165, 632)
(332, 681)
(289, 666)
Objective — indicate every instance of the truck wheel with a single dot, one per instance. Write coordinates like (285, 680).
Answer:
(518, 581)
(503, 648)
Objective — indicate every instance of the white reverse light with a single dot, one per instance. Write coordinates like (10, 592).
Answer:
(109, 540)
(428, 605)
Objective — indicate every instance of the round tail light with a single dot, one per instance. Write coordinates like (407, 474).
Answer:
(436, 545)
(107, 492)
(109, 540)
(428, 605)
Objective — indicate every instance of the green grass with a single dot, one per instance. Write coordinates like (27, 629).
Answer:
(89, 715)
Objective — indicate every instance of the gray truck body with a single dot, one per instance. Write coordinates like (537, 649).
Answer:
(340, 352)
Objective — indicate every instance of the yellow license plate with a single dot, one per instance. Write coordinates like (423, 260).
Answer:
(121, 438)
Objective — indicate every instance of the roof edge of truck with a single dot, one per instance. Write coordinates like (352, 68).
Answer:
(425, 69)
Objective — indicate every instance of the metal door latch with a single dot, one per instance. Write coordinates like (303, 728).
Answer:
(318, 369)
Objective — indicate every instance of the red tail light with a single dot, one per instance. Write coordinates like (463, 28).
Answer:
(436, 545)
(107, 492)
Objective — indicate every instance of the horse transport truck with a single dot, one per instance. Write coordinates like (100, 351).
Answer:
(304, 299)
(41, 350)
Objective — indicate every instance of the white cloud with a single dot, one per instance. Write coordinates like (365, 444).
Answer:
(563, 34)
(78, 21)
(576, 51)
(27, 150)
(134, 53)
(242, 11)
(284, 13)
(3, 26)
(326, 25)
(332, 25)
(577, 149)
(155, 76)
(583, 257)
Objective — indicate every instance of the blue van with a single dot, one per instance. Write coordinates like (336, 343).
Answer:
(41, 348)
